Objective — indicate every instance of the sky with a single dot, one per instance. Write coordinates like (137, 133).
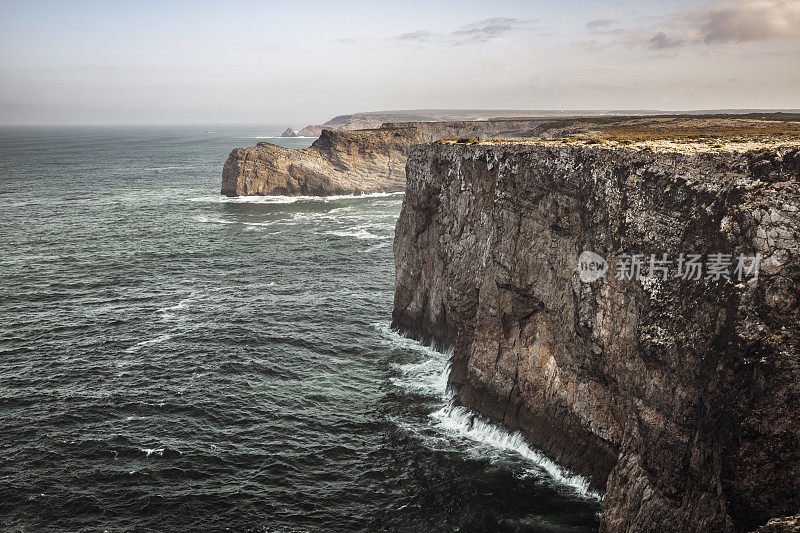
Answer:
(300, 62)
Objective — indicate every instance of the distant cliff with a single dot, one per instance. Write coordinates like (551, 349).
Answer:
(370, 160)
(678, 397)
(372, 120)
(345, 162)
(338, 162)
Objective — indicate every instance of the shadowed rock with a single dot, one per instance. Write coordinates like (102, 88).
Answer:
(677, 397)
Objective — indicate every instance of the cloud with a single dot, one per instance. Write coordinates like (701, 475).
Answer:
(600, 24)
(487, 29)
(662, 41)
(725, 22)
(754, 20)
(420, 36)
(476, 32)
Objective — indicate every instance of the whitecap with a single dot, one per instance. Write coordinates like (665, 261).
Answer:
(166, 312)
(358, 234)
(151, 451)
(160, 338)
(270, 199)
(258, 223)
(430, 376)
(465, 423)
(207, 220)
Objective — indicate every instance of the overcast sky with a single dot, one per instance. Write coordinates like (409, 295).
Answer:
(298, 62)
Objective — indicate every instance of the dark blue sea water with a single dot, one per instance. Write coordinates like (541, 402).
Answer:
(173, 360)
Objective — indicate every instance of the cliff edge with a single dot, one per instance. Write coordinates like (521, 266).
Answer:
(373, 160)
(346, 162)
(676, 396)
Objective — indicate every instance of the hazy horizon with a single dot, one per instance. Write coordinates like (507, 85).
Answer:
(242, 62)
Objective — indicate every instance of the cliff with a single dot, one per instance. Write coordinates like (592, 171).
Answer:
(363, 161)
(372, 120)
(371, 160)
(345, 162)
(677, 397)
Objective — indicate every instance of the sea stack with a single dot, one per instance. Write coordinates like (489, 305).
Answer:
(289, 132)
(677, 397)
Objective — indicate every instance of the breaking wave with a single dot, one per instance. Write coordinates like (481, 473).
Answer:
(289, 199)
(430, 376)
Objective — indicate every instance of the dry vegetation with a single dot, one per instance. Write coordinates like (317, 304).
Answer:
(712, 130)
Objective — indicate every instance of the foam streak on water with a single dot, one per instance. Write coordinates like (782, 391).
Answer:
(431, 376)
(175, 360)
(465, 423)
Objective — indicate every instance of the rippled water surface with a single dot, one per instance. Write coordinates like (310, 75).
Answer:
(172, 360)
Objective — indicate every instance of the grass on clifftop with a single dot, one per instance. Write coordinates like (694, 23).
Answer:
(715, 132)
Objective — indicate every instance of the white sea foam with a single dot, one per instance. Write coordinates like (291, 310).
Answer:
(167, 313)
(160, 338)
(151, 451)
(172, 312)
(259, 223)
(208, 220)
(289, 199)
(357, 233)
(465, 423)
(18, 204)
(430, 375)
(338, 210)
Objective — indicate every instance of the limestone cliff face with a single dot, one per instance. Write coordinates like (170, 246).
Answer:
(339, 162)
(345, 162)
(679, 398)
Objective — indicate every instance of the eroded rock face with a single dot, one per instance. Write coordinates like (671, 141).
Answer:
(344, 162)
(315, 130)
(339, 162)
(679, 398)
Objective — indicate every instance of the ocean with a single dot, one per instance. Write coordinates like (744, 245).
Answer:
(174, 360)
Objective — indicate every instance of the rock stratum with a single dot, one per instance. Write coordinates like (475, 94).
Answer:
(678, 398)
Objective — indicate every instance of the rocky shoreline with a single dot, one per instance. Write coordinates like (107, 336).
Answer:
(677, 397)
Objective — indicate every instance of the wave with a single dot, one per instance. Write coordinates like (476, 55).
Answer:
(150, 451)
(168, 313)
(465, 423)
(290, 199)
(430, 376)
(357, 233)
(376, 247)
(159, 339)
(20, 204)
(207, 220)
